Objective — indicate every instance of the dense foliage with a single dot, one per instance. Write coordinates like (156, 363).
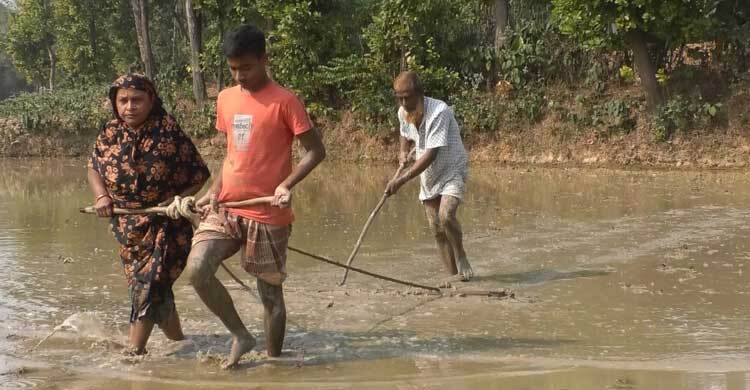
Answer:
(557, 58)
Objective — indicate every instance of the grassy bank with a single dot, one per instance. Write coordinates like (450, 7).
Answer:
(702, 125)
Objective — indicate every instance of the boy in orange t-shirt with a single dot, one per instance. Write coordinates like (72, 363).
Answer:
(260, 120)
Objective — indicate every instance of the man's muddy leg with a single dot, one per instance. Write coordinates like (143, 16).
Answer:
(451, 226)
(205, 258)
(274, 316)
(432, 207)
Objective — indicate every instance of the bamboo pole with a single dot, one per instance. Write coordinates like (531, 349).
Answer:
(163, 209)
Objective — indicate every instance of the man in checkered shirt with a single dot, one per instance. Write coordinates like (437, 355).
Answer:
(429, 125)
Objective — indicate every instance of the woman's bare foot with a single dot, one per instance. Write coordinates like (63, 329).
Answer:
(240, 346)
(134, 351)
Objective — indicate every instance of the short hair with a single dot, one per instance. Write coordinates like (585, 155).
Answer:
(244, 39)
(411, 79)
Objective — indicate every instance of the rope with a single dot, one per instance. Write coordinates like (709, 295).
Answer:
(368, 273)
(190, 214)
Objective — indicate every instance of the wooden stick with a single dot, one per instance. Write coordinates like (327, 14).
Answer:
(248, 202)
(119, 211)
(374, 212)
(163, 209)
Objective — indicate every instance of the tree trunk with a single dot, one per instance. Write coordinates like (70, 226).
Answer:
(501, 24)
(403, 63)
(52, 66)
(140, 15)
(92, 36)
(177, 11)
(194, 34)
(220, 73)
(645, 68)
(50, 42)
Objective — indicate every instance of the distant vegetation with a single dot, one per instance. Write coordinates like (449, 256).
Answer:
(505, 65)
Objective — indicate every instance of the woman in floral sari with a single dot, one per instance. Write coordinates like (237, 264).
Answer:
(141, 159)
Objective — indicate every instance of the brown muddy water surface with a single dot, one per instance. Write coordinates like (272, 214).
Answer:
(623, 280)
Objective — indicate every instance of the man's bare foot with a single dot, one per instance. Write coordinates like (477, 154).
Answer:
(450, 281)
(464, 269)
(240, 346)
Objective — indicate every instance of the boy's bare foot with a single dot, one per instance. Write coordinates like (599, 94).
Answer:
(240, 346)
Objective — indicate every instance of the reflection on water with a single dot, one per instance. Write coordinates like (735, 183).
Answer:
(624, 279)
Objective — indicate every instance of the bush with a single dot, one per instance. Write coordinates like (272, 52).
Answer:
(607, 115)
(83, 110)
(684, 114)
(527, 107)
(76, 111)
(478, 112)
(367, 89)
(198, 123)
(614, 115)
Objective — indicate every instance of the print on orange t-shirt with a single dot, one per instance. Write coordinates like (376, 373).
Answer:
(260, 127)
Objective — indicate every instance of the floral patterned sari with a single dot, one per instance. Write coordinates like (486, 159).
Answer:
(142, 168)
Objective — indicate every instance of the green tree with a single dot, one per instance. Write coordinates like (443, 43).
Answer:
(637, 25)
(195, 28)
(141, 15)
(217, 18)
(733, 37)
(447, 42)
(10, 81)
(303, 35)
(31, 41)
(84, 42)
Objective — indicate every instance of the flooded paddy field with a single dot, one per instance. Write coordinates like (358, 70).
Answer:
(622, 280)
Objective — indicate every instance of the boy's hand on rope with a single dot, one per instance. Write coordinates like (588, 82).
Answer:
(206, 203)
(202, 201)
(282, 197)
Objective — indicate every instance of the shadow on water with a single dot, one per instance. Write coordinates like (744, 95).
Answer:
(320, 347)
(541, 276)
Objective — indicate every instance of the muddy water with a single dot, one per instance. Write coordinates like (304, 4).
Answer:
(623, 280)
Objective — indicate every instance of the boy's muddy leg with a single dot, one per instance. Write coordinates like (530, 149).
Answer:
(274, 316)
(452, 228)
(205, 258)
(432, 207)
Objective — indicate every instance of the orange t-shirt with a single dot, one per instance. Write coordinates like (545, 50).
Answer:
(260, 127)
